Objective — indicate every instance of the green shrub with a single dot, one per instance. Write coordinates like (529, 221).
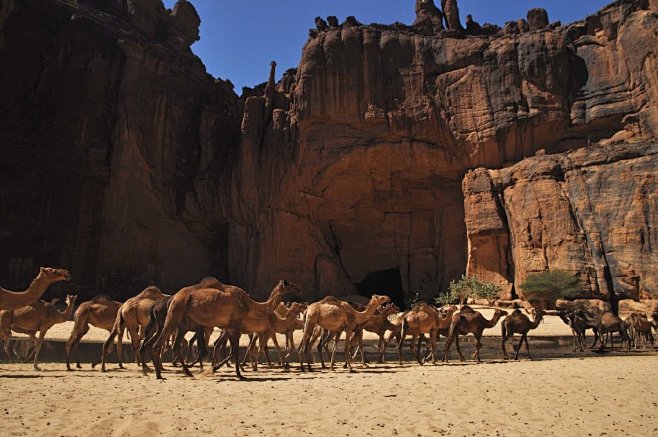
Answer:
(550, 285)
(468, 286)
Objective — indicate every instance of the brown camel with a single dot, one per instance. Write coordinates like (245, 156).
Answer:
(10, 300)
(284, 322)
(39, 316)
(100, 312)
(519, 323)
(335, 316)
(377, 324)
(260, 321)
(225, 309)
(277, 324)
(425, 319)
(641, 330)
(133, 315)
(156, 324)
(468, 321)
(609, 323)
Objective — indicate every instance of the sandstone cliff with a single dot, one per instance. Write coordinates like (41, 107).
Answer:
(362, 164)
(108, 121)
(124, 160)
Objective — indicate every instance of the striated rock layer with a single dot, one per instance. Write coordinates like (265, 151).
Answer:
(592, 212)
(124, 160)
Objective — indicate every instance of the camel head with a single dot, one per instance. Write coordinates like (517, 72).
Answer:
(391, 308)
(500, 313)
(564, 315)
(54, 275)
(70, 299)
(379, 299)
(285, 288)
(297, 308)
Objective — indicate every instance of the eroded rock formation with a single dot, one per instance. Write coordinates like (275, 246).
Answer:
(109, 122)
(592, 212)
(347, 175)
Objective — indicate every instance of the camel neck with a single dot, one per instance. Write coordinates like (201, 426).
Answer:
(10, 300)
(65, 315)
(365, 314)
(491, 323)
(535, 323)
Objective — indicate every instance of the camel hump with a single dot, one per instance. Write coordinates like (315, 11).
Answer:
(101, 298)
(210, 282)
(151, 292)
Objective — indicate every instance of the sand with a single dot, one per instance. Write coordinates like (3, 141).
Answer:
(557, 393)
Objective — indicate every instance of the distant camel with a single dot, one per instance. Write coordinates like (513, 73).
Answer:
(519, 323)
(468, 321)
(40, 317)
(10, 300)
(100, 312)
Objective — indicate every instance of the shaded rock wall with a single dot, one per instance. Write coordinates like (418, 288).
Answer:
(110, 137)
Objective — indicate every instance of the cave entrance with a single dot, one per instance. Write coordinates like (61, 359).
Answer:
(387, 282)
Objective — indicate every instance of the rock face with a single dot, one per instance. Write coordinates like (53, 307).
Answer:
(592, 212)
(429, 19)
(350, 175)
(537, 18)
(109, 122)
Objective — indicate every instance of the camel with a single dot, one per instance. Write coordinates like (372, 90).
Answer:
(277, 324)
(259, 321)
(133, 315)
(100, 312)
(335, 316)
(158, 315)
(10, 300)
(39, 316)
(284, 322)
(377, 324)
(226, 309)
(578, 325)
(412, 324)
(640, 328)
(468, 321)
(609, 323)
(519, 323)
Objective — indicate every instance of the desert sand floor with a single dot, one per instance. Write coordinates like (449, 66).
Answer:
(558, 393)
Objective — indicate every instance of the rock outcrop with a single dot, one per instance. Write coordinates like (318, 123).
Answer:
(592, 212)
(124, 160)
(111, 138)
(429, 19)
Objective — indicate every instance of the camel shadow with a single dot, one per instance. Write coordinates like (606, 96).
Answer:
(35, 376)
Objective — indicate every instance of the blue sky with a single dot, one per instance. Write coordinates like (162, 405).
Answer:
(239, 38)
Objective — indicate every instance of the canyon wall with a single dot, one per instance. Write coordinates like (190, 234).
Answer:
(361, 164)
(391, 160)
(108, 124)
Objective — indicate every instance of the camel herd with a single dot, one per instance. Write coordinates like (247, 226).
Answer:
(157, 322)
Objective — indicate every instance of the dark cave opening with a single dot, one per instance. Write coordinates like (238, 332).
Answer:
(388, 282)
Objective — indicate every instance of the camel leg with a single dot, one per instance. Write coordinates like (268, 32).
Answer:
(505, 338)
(234, 340)
(134, 339)
(348, 340)
(461, 356)
(478, 345)
(106, 346)
(527, 347)
(518, 348)
(333, 350)
(73, 342)
(42, 334)
(324, 336)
